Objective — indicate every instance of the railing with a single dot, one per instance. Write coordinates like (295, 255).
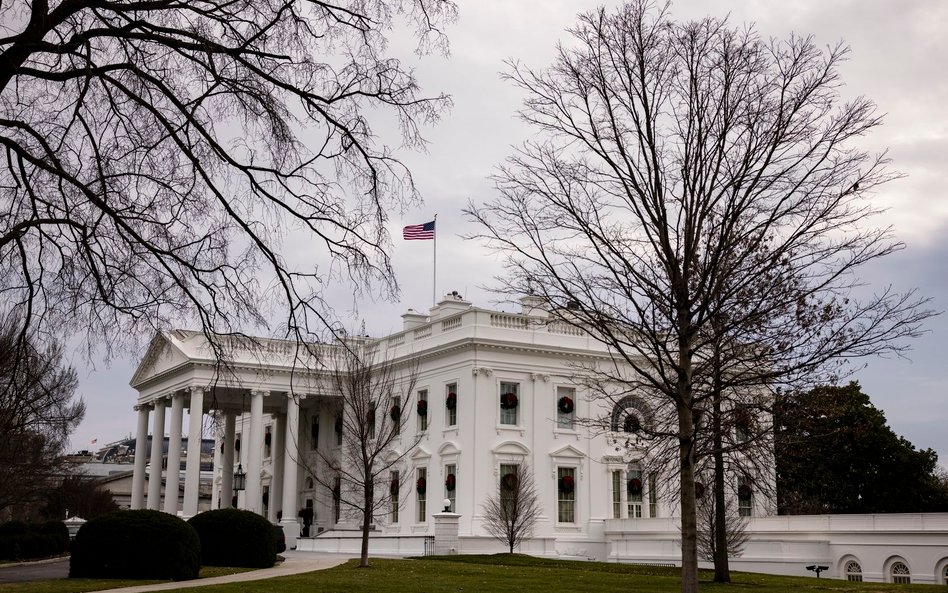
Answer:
(508, 321)
(452, 323)
(429, 545)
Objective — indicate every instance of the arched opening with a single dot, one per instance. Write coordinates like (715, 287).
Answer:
(853, 571)
(899, 573)
(629, 415)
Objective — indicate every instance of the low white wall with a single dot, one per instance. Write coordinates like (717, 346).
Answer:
(788, 544)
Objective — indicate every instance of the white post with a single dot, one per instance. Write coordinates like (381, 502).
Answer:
(227, 465)
(254, 448)
(141, 448)
(172, 476)
(157, 454)
(192, 471)
(291, 526)
(278, 455)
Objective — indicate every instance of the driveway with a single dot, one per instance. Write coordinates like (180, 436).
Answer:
(35, 571)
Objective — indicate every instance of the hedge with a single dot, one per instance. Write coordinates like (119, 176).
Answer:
(21, 541)
(140, 544)
(232, 537)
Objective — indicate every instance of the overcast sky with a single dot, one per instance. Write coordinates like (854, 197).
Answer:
(899, 59)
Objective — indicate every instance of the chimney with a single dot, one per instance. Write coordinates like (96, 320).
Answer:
(412, 319)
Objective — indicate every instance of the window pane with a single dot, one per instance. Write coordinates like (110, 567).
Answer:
(509, 402)
(566, 495)
(565, 407)
(451, 404)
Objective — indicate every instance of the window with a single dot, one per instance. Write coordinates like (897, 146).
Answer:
(745, 497)
(616, 494)
(853, 571)
(566, 495)
(450, 484)
(451, 404)
(393, 489)
(900, 573)
(509, 402)
(395, 413)
(265, 498)
(314, 433)
(509, 478)
(336, 499)
(652, 495)
(267, 441)
(370, 419)
(743, 424)
(339, 425)
(565, 407)
(628, 415)
(421, 488)
(634, 491)
(422, 409)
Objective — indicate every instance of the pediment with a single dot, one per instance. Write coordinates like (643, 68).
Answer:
(510, 448)
(568, 451)
(162, 355)
(421, 453)
(448, 448)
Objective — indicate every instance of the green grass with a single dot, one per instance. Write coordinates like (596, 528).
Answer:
(502, 574)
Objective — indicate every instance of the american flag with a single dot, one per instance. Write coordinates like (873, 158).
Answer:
(419, 231)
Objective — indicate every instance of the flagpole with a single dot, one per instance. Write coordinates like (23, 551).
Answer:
(434, 267)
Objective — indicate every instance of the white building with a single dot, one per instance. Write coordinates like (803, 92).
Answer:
(480, 356)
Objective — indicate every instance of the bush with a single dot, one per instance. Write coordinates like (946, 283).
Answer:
(20, 541)
(141, 544)
(231, 537)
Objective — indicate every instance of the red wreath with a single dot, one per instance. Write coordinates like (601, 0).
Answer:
(509, 482)
(393, 487)
(422, 407)
(567, 484)
(509, 401)
(450, 482)
(236, 444)
(744, 491)
(632, 424)
(451, 401)
(565, 405)
(395, 413)
(743, 418)
(421, 485)
(699, 489)
(634, 486)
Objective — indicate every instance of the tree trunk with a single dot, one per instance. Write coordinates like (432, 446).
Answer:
(366, 520)
(686, 455)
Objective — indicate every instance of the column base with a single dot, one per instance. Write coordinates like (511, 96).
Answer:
(291, 529)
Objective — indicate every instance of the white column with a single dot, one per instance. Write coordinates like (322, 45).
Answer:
(291, 440)
(157, 454)
(172, 476)
(227, 464)
(192, 471)
(217, 475)
(141, 448)
(254, 448)
(278, 452)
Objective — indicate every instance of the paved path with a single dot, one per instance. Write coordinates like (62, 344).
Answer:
(295, 563)
(34, 571)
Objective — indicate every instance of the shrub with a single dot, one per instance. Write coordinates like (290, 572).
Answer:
(231, 537)
(141, 544)
(20, 541)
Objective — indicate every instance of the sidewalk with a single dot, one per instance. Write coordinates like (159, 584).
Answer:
(295, 563)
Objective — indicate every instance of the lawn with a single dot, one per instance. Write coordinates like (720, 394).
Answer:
(84, 585)
(501, 574)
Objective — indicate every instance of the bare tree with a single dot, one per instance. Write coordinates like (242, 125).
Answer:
(372, 394)
(735, 529)
(511, 513)
(158, 155)
(37, 413)
(679, 168)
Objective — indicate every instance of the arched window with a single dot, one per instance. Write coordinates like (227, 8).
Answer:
(944, 574)
(900, 573)
(629, 415)
(853, 571)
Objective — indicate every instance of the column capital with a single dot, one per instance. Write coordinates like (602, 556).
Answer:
(203, 389)
(263, 392)
(143, 407)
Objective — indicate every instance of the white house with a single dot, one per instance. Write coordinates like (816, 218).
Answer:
(500, 391)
